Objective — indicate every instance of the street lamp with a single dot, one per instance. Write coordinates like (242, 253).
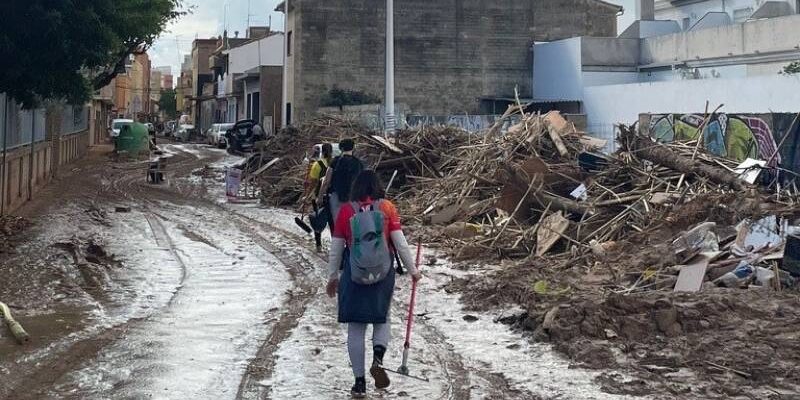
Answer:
(391, 122)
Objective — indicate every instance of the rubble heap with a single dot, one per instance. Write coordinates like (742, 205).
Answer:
(655, 259)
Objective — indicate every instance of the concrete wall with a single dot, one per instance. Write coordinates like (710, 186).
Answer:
(755, 37)
(373, 116)
(596, 51)
(558, 70)
(448, 52)
(696, 10)
(563, 68)
(612, 104)
(19, 184)
(271, 97)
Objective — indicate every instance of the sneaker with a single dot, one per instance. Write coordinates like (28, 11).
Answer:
(359, 390)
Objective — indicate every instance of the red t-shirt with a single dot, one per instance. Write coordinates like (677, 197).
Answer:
(342, 225)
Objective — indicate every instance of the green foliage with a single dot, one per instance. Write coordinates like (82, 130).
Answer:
(344, 97)
(792, 68)
(65, 49)
(168, 103)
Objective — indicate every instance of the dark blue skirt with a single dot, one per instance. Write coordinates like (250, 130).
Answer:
(368, 304)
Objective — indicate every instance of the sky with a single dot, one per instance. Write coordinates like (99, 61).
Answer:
(210, 17)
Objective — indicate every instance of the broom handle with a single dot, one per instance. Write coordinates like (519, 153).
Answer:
(410, 318)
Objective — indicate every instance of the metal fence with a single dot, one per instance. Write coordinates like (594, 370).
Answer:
(18, 127)
(74, 119)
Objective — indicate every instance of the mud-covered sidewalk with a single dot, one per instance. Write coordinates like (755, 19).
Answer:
(130, 290)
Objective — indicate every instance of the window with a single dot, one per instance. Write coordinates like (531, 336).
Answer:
(288, 113)
(289, 44)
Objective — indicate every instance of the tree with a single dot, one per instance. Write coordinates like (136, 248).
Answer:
(337, 97)
(792, 68)
(66, 49)
(168, 103)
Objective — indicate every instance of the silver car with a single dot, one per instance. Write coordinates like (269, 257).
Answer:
(116, 126)
(216, 135)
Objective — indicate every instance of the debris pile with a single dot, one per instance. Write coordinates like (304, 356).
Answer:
(602, 251)
(417, 156)
(288, 154)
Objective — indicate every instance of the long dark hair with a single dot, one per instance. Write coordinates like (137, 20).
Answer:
(327, 150)
(367, 185)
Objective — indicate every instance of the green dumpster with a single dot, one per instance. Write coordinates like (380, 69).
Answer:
(132, 139)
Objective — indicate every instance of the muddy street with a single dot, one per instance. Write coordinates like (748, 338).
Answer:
(132, 291)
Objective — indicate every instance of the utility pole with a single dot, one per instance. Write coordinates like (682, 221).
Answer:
(390, 122)
(285, 88)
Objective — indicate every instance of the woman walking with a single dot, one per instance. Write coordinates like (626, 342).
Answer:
(365, 233)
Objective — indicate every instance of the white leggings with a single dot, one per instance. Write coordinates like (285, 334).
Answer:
(356, 333)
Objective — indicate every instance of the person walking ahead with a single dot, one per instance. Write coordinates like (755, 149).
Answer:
(339, 178)
(364, 234)
(316, 173)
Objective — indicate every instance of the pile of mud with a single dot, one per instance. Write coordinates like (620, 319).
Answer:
(718, 343)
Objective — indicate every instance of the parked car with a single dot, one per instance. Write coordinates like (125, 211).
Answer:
(243, 136)
(216, 135)
(116, 126)
(185, 133)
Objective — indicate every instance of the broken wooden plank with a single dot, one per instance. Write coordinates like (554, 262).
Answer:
(550, 231)
(692, 275)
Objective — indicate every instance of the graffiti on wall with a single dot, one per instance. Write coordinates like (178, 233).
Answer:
(469, 123)
(732, 136)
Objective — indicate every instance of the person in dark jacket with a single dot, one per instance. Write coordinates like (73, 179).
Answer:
(339, 178)
(361, 305)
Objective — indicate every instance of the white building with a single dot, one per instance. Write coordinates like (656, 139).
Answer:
(656, 67)
(249, 78)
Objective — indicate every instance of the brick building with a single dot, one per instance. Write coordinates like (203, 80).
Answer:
(449, 54)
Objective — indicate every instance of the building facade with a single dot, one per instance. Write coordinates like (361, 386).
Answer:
(252, 82)
(140, 103)
(201, 76)
(448, 54)
(155, 90)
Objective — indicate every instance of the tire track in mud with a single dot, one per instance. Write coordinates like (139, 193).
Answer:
(164, 240)
(304, 290)
(132, 187)
(52, 369)
(451, 363)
